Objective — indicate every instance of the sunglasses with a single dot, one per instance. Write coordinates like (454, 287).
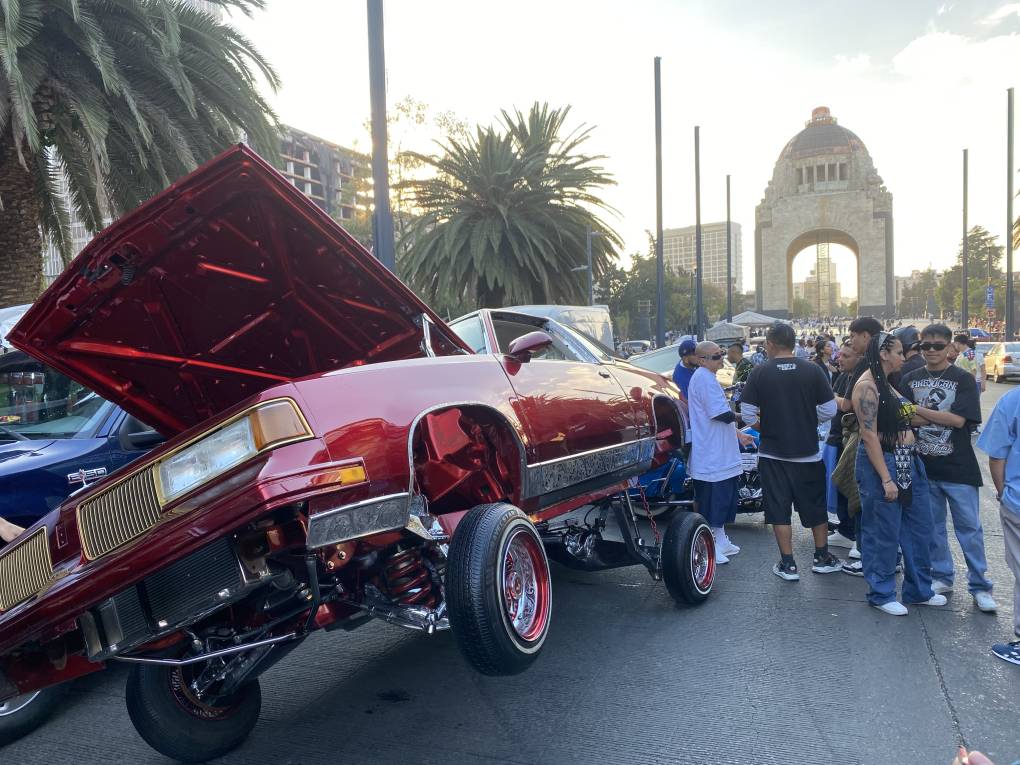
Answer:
(933, 346)
(714, 357)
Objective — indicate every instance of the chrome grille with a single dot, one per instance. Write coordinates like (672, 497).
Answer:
(118, 515)
(25, 569)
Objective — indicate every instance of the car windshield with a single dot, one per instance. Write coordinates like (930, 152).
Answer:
(662, 360)
(46, 404)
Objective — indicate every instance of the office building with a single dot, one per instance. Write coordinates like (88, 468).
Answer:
(678, 252)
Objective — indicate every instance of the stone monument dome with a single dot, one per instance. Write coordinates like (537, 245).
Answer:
(824, 189)
(822, 135)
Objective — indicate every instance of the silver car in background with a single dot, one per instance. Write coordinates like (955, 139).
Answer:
(1002, 361)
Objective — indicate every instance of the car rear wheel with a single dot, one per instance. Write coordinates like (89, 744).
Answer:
(688, 559)
(174, 722)
(23, 714)
(498, 589)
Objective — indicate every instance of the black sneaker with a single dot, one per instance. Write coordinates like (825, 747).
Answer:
(853, 568)
(787, 571)
(1008, 651)
(827, 564)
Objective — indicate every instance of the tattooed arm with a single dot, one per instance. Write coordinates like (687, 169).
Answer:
(865, 398)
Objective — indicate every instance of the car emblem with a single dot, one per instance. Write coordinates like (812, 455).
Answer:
(84, 477)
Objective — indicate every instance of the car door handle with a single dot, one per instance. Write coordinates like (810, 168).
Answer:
(604, 373)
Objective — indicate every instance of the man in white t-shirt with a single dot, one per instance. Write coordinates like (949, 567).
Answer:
(715, 451)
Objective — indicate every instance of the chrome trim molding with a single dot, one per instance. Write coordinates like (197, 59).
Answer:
(553, 475)
(358, 519)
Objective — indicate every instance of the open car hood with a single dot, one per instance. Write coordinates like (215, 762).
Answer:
(227, 283)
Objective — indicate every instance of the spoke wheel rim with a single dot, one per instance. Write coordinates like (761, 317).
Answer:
(703, 559)
(524, 585)
(189, 702)
(15, 705)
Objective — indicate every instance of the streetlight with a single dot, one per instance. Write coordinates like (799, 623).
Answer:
(587, 248)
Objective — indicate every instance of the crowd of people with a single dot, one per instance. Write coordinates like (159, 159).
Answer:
(898, 459)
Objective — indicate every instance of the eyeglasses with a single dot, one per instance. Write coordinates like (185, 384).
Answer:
(933, 346)
(714, 357)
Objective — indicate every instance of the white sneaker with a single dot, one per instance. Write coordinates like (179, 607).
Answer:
(985, 602)
(838, 540)
(728, 548)
(934, 600)
(720, 558)
(893, 608)
(941, 587)
(854, 552)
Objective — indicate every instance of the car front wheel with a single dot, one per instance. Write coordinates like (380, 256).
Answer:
(23, 714)
(174, 722)
(498, 589)
(688, 558)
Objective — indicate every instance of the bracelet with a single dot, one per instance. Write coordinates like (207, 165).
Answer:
(888, 480)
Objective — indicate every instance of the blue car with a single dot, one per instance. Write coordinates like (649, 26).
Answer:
(56, 437)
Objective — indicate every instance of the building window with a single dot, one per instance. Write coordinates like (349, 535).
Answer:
(800, 176)
(842, 171)
(810, 175)
(832, 172)
(820, 173)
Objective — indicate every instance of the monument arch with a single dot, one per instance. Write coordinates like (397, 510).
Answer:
(824, 188)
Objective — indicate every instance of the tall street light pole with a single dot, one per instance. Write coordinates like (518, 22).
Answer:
(698, 306)
(729, 258)
(660, 275)
(382, 219)
(963, 307)
(587, 247)
(1010, 329)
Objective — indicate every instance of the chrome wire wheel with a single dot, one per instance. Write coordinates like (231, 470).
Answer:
(703, 560)
(524, 578)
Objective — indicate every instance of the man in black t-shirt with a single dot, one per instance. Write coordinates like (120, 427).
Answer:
(947, 398)
(788, 397)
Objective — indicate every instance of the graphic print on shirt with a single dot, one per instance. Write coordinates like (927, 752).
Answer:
(932, 393)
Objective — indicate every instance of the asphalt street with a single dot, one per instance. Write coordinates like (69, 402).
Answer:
(765, 672)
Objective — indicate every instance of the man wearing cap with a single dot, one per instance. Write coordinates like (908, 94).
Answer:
(684, 369)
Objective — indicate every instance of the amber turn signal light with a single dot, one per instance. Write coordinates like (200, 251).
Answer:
(277, 423)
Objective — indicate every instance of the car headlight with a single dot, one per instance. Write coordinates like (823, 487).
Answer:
(271, 424)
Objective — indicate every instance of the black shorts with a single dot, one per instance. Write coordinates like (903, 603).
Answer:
(797, 484)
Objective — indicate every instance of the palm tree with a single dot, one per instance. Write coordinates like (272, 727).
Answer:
(117, 99)
(505, 218)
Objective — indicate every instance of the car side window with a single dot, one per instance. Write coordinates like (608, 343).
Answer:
(470, 330)
(507, 331)
(589, 345)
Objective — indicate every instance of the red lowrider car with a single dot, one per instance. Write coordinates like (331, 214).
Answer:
(336, 452)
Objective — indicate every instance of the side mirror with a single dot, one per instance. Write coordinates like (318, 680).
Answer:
(145, 439)
(520, 350)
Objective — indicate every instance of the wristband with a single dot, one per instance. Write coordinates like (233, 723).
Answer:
(888, 480)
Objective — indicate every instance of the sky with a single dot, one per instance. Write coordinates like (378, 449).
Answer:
(917, 80)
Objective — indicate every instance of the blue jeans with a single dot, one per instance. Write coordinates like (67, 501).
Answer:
(888, 525)
(963, 504)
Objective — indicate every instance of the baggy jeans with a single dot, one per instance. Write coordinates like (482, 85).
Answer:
(888, 525)
(963, 505)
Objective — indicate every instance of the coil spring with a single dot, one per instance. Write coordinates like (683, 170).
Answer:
(408, 579)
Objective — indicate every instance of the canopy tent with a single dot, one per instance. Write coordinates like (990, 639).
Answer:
(724, 330)
(8, 318)
(752, 319)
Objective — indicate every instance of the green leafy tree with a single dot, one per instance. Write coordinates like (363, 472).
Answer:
(917, 297)
(803, 309)
(119, 98)
(504, 218)
(984, 266)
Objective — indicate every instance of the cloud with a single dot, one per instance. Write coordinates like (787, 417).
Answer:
(999, 14)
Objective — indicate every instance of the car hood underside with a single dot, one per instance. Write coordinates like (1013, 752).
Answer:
(228, 282)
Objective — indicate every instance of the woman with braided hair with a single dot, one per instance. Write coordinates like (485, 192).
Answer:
(895, 504)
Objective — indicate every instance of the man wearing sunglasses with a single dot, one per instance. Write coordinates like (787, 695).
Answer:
(947, 399)
(715, 449)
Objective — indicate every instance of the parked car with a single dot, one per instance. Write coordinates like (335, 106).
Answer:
(592, 320)
(57, 436)
(633, 347)
(1002, 361)
(664, 360)
(335, 452)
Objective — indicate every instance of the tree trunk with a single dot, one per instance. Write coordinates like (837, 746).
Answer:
(20, 238)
